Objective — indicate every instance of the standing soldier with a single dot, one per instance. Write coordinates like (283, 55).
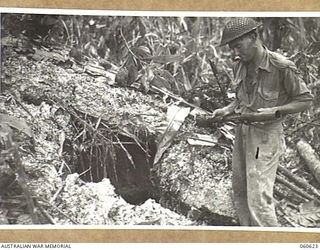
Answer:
(266, 82)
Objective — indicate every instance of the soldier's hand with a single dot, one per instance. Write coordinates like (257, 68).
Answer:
(216, 116)
(220, 113)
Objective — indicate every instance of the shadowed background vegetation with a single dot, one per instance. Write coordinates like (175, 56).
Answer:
(170, 52)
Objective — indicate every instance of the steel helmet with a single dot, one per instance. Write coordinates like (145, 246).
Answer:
(236, 28)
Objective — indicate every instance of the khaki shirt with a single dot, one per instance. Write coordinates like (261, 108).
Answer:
(276, 82)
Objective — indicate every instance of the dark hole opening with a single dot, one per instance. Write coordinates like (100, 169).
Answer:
(127, 165)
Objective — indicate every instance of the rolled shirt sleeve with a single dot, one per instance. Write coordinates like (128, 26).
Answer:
(294, 86)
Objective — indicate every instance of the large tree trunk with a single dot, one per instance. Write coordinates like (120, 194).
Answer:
(310, 157)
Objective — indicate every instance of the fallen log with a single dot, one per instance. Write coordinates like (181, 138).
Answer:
(299, 181)
(282, 193)
(310, 158)
(294, 188)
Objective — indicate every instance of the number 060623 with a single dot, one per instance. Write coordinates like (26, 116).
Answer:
(309, 246)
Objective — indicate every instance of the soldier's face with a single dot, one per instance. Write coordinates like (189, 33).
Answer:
(244, 48)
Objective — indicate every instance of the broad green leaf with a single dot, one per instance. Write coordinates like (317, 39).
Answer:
(175, 118)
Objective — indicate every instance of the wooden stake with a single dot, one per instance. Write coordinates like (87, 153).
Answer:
(299, 181)
(294, 188)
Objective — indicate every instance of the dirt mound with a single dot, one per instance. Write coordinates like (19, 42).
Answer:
(50, 98)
